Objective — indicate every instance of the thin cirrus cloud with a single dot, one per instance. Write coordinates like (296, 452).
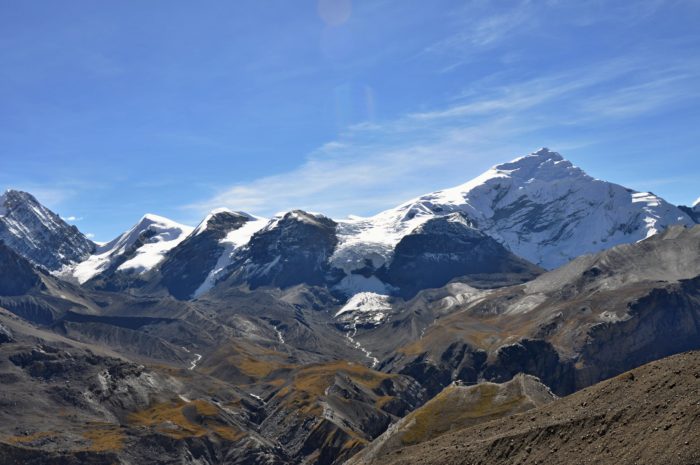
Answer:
(376, 165)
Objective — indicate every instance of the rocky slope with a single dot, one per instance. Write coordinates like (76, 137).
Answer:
(591, 319)
(65, 402)
(648, 415)
(17, 276)
(220, 385)
(456, 407)
(38, 234)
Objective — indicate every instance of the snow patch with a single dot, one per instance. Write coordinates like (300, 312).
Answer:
(365, 302)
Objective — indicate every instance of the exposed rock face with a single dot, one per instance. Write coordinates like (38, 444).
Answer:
(16, 274)
(38, 234)
(536, 357)
(449, 247)
(293, 250)
(458, 361)
(647, 415)
(456, 407)
(188, 265)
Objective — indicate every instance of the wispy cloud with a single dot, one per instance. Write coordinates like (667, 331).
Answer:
(375, 165)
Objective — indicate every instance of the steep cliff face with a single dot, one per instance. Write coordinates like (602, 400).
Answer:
(38, 234)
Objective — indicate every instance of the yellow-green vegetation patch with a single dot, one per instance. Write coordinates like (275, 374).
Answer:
(383, 400)
(309, 384)
(170, 419)
(104, 437)
(30, 438)
(251, 361)
(457, 407)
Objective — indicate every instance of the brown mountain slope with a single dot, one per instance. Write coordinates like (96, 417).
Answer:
(649, 415)
(457, 407)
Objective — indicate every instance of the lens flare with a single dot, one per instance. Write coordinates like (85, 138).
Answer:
(334, 12)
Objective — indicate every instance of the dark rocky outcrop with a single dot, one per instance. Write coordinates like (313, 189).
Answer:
(449, 247)
(294, 250)
(188, 264)
(533, 357)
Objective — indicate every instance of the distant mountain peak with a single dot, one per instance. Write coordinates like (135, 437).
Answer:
(38, 234)
(696, 204)
(153, 218)
(138, 250)
(540, 206)
(543, 164)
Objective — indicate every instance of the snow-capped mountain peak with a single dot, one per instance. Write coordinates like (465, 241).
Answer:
(696, 205)
(137, 250)
(540, 206)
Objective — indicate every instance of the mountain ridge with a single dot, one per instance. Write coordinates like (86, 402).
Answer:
(39, 234)
(540, 207)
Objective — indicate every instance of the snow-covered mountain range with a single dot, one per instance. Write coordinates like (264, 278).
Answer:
(535, 210)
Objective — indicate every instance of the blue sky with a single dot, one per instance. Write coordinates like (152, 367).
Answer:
(114, 109)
